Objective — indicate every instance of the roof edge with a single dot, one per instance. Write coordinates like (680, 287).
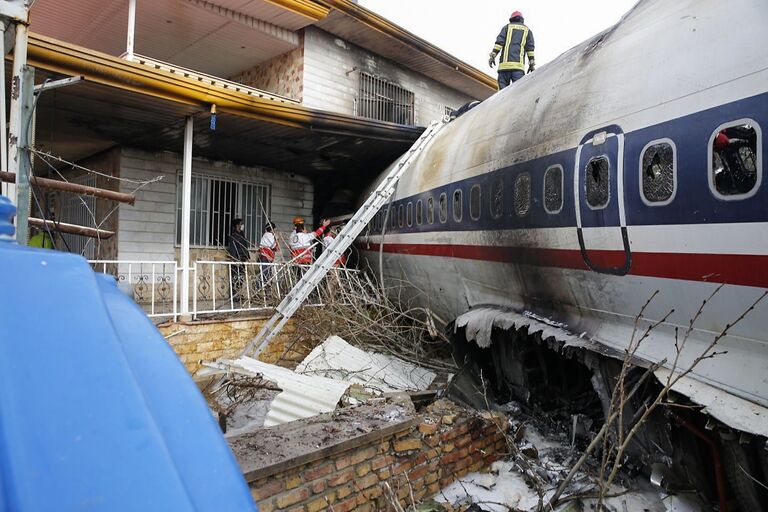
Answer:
(383, 25)
(67, 59)
(308, 8)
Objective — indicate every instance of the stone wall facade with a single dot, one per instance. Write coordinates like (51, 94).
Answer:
(408, 466)
(283, 75)
(209, 340)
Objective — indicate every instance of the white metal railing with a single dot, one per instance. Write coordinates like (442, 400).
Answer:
(153, 285)
(231, 287)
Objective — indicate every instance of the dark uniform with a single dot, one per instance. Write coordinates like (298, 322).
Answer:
(515, 41)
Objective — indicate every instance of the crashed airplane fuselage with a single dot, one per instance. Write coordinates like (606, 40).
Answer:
(632, 163)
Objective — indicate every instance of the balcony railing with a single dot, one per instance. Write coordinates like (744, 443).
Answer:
(153, 285)
(219, 287)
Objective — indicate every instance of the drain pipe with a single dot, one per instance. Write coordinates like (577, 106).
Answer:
(719, 474)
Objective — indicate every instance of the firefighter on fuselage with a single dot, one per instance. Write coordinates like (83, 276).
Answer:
(515, 42)
(301, 241)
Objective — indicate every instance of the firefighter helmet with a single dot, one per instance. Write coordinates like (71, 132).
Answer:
(298, 220)
(516, 14)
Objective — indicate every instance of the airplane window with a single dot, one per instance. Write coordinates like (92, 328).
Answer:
(409, 214)
(658, 172)
(430, 211)
(419, 212)
(553, 189)
(443, 208)
(392, 218)
(736, 163)
(597, 179)
(523, 194)
(474, 202)
(458, 205)
(497, 198)
(401, 216)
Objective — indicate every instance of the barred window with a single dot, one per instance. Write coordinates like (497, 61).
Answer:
(597, 174)
(523, 194)
(383, 100)
(657, 172)
(497, 198)
(215, 203)
(474, 202)
(553, 189)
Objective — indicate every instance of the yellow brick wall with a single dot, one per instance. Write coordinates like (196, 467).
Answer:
(209, 340)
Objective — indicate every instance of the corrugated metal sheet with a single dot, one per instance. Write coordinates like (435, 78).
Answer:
(302, 396)
(337, 359)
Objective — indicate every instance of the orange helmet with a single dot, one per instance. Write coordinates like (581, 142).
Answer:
(298, 220)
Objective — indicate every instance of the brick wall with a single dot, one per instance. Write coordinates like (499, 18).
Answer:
(415, 464)
(213, 339)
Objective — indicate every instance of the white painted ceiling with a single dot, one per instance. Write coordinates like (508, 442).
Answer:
(174, 31)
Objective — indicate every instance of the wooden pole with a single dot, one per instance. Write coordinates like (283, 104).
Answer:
(72, 229)
(120, 197)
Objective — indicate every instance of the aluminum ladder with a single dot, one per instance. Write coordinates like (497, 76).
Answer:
(315, 274)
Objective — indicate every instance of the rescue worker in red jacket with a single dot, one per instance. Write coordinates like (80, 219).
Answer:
(515, 42)
(268, 245)
(327, 241)
(301, 241)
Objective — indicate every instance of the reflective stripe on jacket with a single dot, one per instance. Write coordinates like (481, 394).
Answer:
(515, 41)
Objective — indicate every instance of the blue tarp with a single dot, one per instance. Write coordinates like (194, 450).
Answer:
(96, 410)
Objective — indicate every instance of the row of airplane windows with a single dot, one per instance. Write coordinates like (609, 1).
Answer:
(735, 168)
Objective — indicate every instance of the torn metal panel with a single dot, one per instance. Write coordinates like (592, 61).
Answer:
(479, 324)
(735, 412)
(302, 396)
(337, 359)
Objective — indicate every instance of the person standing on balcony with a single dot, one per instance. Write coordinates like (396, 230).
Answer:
(301, 241)
(268, 245)
(237, 248)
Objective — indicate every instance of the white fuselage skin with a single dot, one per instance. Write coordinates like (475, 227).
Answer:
(668, 71)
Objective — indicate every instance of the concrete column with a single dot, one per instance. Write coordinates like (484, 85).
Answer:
(186, 199)
(129, 43)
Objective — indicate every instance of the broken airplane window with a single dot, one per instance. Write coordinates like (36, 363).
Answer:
(409, 214)
(553, 189)
(736, 164)
(458, 205)
(597, 179)
(443, 208)
(658, 170)
(523, 194)
(497, 198)
(419, 212)
(401, 216)
(474, 202)
(430, 211)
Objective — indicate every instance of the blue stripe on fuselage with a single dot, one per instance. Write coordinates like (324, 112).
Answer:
(694, 203)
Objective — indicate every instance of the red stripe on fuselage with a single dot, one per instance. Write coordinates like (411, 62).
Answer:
(737, 269)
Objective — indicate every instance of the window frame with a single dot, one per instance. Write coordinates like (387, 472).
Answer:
(586, 191)
(401, 215)
(419, 213)
(460, 193)
(430, 210)
(562, 189)
(479, 189)
(500, 182)
(409, 214)
(443, 197)
(657, 142)
(530, 193)
(758, 160)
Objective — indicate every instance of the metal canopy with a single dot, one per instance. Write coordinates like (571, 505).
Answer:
(80, 121)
